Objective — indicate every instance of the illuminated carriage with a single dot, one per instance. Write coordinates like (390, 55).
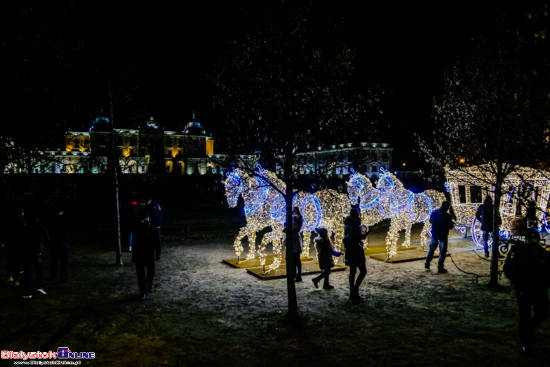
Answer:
(468, 188)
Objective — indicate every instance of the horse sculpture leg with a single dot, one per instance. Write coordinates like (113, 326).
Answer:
(261, 251)
(238, 246)
(337, 242)
(275, 238)
(424, 236)
(251, 245)
(407, 241)
(391, 239)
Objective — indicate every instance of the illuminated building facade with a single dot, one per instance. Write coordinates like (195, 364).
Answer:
(152, 150)
(366, 158)
(148, 149)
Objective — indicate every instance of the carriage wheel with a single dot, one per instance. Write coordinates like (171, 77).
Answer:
(477, 234)
(503, 248)
(545, 224)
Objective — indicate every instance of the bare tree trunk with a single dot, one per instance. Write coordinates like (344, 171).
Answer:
(493, 282)
(290, 266)
(117, 201)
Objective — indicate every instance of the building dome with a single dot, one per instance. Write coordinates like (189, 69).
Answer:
(101, 124)
(194, 127)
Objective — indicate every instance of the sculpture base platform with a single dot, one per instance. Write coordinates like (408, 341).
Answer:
(411, 254)
(252, 263)
(308, 268)
(381, 249)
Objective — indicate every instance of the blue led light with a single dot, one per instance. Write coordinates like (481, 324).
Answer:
(318, 212)
(355, 186)
(369, 200)
(259, 194)
(234, 187)
(385, 183)
(504, 234)
(401, 201)
(356, 181)
(277, 209)
(544, 224)
(430, 208)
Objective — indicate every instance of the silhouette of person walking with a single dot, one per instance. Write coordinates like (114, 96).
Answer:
(143, 252)
(60, 234)
(297, 248)
(34, 237)
(355, 255)
(441, 222)
(325, 252)
(484, 215)
(156, 215)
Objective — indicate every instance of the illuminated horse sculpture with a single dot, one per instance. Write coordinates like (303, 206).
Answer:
(391, 200)
(362, 192)
(255, 192)
(265, 207)
(406, 208)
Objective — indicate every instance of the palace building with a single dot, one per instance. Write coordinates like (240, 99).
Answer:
(150, 149)
(366, 158)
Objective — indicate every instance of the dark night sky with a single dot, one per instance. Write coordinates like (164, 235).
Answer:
(407, 44)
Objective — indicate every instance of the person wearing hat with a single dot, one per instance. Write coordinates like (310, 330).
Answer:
(325, 252)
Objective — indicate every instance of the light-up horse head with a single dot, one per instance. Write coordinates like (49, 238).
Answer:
(362, 192)
(233, 187)
(355, 186)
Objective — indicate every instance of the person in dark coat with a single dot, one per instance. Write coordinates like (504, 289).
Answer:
(527, 265)
(157, 216)
(34, 237)
(297, 246)
(484, 215)
(12, 227)
(143, 252)
(131, 218)
(441, 222)
(325, 253)
(354, 233)
(60, 230)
